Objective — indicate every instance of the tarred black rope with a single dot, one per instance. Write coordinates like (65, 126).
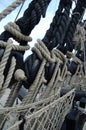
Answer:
(31, 17)
(32, 63)
(58, 26)
(77, 14)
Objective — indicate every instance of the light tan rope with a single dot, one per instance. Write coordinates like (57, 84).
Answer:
(10, 8)
(79, 37)
(5, 58)
(50, 85)
(43, 53)
(30, 96)
(36, 105)
(19, 76)
(13, 95)
(9, 76)
(14, 29)
(75, 59)
(21, 109)
(14, 47)
(56, 110)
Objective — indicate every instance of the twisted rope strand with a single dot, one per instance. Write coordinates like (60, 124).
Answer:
(9, 76)
(5, 58)
(10, 8)
(14, 47)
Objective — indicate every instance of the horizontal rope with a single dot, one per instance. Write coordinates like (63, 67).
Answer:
(14, 47)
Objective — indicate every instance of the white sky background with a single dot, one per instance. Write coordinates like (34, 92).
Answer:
(40, 30)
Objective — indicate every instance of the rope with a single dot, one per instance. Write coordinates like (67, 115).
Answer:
(43, 53)
(36, 84)
(79, 37)
(32, 15)
(55, 34)
(50, 85)
(14, 47)
(9, 76)
(14, 29)
(36, 105)
(56, 110)
(20, 10)
(13, 94)
(77, 14)
(4, 59)
(19, 76)
(10, 8)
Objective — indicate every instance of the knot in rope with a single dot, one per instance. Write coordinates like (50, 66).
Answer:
(43, 53)
(20, 75)
(14, 29)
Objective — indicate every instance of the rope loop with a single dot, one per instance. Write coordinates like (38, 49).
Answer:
(14, 29)
(59, 55)
(43, 53)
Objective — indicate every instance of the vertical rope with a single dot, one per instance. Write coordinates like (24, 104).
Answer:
(9, 76)
(13, 94)
(4, 59)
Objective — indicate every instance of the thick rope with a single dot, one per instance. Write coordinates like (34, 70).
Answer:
(14, 29)
(67, 44)
(43, 53)
(79, 37)
(13, 94)
(43, 115)
(14, 47)
(57, 29)
(30, 96)
(21, 108)
(9, 76)
(4, 59)
(19, 76)
(50, 85)
(10, 8)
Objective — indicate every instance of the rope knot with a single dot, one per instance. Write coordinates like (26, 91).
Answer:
(20, 75)
(43, 53)
(14, 29)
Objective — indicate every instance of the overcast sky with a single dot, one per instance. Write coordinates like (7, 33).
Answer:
(40, 30)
